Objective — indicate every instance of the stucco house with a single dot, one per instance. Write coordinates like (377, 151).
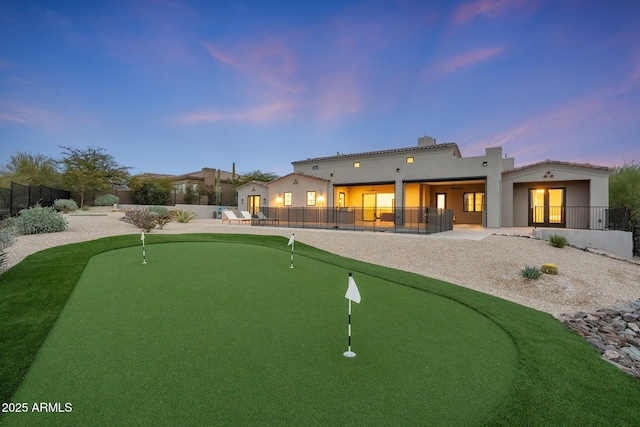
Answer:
(202, 186)
(400, 185)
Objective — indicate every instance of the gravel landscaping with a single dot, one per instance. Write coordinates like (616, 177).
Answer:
(587, 281)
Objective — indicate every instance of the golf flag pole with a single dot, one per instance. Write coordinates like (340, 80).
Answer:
(144, 254)
(291, 243)
(352, 295)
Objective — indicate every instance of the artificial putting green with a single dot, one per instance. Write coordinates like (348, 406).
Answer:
(560, 379)
(226, 333)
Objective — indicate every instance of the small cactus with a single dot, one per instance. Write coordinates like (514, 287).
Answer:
(549, 269)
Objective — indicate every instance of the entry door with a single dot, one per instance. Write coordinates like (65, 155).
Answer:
(547, 207)
(253, 204)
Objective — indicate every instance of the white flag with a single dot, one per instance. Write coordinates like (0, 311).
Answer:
(353, 293)
(142, 236)
(290, 241)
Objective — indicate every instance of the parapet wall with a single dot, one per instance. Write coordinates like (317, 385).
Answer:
(613, 241)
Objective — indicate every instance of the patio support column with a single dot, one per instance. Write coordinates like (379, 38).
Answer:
(493, 202)
(399, 197)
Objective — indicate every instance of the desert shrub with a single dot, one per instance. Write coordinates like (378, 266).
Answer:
(162, 214)
(65, 205)
(557, 241)
(36, 220)
(530, 272)
(106, 200)
(150, 191)
(188, 195)
(159, 210)
(6, 240)
(183, 216)
(141, 218)
(85, 207)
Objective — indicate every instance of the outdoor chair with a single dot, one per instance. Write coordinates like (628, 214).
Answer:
(231, 216)
(261, 218)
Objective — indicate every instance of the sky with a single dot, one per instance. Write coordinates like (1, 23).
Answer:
(172, 86)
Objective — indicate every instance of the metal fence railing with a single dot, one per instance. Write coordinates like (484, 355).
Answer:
(397, 220)
(20, 197)
(581, 217)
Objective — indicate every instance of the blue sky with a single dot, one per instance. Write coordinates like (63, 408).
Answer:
(172, 86)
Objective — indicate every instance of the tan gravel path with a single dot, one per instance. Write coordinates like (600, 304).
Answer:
(587, 281)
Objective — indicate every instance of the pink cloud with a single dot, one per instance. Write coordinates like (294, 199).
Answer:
(216, 53)
(270, 65)
(277, 111)
(570, 129)
(16, 112)
(338, 97)
(463, 60)
(485, 8)
(635, 72)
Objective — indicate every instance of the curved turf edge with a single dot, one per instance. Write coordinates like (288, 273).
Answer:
(561, 379)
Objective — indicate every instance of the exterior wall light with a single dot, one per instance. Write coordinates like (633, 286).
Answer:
(484, 163)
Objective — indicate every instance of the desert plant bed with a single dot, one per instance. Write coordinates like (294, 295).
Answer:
(218, 329)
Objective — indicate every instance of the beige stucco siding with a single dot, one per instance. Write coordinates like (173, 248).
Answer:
(252, 189)
(298, 186)
(436, 163)
(576, 193)
(584, 186)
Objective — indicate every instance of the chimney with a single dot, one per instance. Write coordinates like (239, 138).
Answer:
(425, 141)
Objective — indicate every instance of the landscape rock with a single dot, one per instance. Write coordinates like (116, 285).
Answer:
(633, 352)
(614, 332)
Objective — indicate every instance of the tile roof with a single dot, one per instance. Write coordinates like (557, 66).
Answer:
(381, 152)
(557, 162)
(298, 174)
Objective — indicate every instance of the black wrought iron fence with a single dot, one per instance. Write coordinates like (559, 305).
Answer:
(20, 197)
(398, 220)
(5, 202)
(581, 217)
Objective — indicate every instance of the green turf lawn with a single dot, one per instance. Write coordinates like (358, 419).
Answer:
(217, 329)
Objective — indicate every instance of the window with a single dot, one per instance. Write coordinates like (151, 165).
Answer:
(473, 202)
(409, 159)
(311, 198)
(356, 164)
(287, 198)
(315, 167)
(341, 200)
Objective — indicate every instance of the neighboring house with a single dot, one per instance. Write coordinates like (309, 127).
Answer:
(203, 183)
(486, 190)
(202, 186)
